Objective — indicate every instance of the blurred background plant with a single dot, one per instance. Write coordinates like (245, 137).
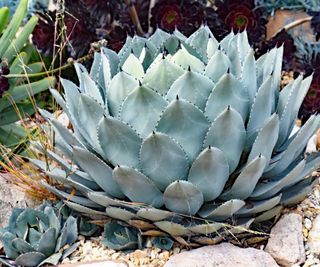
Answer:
(18, 84)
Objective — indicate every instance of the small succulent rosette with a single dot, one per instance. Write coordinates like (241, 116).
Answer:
(38, 236)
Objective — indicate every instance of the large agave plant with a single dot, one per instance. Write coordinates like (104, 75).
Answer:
(15, 93)
(187, 133)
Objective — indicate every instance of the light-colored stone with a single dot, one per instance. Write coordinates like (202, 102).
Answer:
(307, 223)
(314, 236)
(222, 255)
(10, 197)
(285, 244)
(97, 264)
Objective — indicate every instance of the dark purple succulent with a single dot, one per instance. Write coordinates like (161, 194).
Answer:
(185, 15)
(281, 38)
(315, 23)
(239, 15)
(43, 33)
(4, 82)
(311, 103)
(308, 62)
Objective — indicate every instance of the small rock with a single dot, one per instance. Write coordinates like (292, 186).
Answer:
(314, 236)
(286, 241)
(307, 223)
(222, 255)
(308, 263)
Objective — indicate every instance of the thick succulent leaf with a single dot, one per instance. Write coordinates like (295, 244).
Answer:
(9, 33)
(119, 88)
(301, 93)
(119, 142)
(153, 214)
(206, 228)
(243, 45)
(261, 108)
(22, 246)
(90, 113)
(193, 87)
(118, 237)
(68, 196)
(266, 140)
(135, 185)
(285, 114)
(98, 170)
(224, 43)
(312, 164)
(247, 180)
(29, 217)
(69, 233)
(113, 62)
(234, 56)
(91, 88)
(212, 47)
(259, 206)
(145, 103)
(183, 197)
(172, 228)
(266, 190)
(161, 75)
(53, 259)
(12, 220)
(120, 214)
(22, 92)
(296, 147)
(217, 66)
(6, 240)
(72, 96)
(80, 70)
(159, 37)
(96, 71)
(209, 173)
(17, 44)
(133, 67)
(227, 92)
(163, 242)
(220, 212)
(47, 242)
(30, 259)
(4, 17)
(199, 40)
(163, 160)
(185, 60)
(228, 134)
(54, 221)
(298, 192)
(82, 209)
(66, 135)
(269, 214)
(61, 177)
(192, 125)
(243, 224)
(105, 200)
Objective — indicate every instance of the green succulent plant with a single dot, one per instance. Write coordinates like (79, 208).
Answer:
(38, 236)
(16, 56)
(120, 237)
(186, 133)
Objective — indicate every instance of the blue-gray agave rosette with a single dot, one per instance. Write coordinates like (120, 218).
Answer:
(173, 127)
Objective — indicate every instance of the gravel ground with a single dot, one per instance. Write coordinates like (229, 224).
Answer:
(92, 250)
(310, 208)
